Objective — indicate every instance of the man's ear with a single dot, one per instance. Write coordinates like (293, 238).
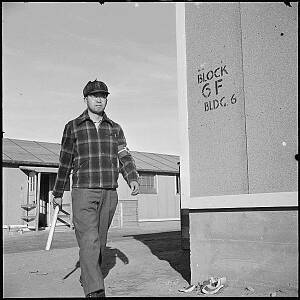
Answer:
(85, 100)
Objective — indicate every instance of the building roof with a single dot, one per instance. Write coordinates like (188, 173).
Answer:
(43, 154)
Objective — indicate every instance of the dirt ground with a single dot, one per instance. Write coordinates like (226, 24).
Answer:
(136, 264)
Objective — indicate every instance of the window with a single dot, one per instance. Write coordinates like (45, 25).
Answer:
(31, 181)
(148, 184)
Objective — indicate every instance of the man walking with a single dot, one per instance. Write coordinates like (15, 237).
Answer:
(95, 148)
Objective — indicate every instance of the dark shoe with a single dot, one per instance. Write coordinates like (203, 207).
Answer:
(97, 294)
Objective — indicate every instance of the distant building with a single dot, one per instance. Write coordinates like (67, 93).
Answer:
(29, 170)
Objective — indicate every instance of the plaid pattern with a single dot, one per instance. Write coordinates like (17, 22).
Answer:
(96, 157)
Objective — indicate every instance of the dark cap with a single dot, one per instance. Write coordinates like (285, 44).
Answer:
(95, 87)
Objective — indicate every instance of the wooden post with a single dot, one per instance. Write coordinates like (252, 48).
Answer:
(38, 189)
(35, 199)
(49, 201)
(49, 209)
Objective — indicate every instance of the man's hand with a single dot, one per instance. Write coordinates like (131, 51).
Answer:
(57, 201)
(135, 188)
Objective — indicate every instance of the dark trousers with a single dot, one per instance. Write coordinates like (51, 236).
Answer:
(93, 210)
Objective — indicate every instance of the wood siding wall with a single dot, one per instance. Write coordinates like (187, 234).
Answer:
(163, 205)
(14, 189)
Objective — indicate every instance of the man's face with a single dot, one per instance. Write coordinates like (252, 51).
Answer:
(96, 103)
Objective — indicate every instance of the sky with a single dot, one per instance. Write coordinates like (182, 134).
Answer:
(51, 50)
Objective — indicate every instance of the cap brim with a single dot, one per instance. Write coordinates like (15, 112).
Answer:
(98, 91)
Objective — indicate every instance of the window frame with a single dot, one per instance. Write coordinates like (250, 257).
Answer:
(150, 188)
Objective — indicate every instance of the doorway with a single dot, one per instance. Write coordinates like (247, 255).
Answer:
(44, 200)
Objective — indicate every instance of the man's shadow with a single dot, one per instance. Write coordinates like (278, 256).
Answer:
(167, 246)
(109, 259)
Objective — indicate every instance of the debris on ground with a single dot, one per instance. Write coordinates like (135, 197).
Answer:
(274, 294)
(37, 272)
(210, 286)
(213, 285)
(249, 288)
(188, 289)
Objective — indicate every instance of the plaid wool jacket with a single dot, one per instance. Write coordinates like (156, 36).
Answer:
(96, 157)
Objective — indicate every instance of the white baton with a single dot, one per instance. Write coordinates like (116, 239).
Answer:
(53, 223)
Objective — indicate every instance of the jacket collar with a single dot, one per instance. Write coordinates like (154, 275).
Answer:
(85, 116)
